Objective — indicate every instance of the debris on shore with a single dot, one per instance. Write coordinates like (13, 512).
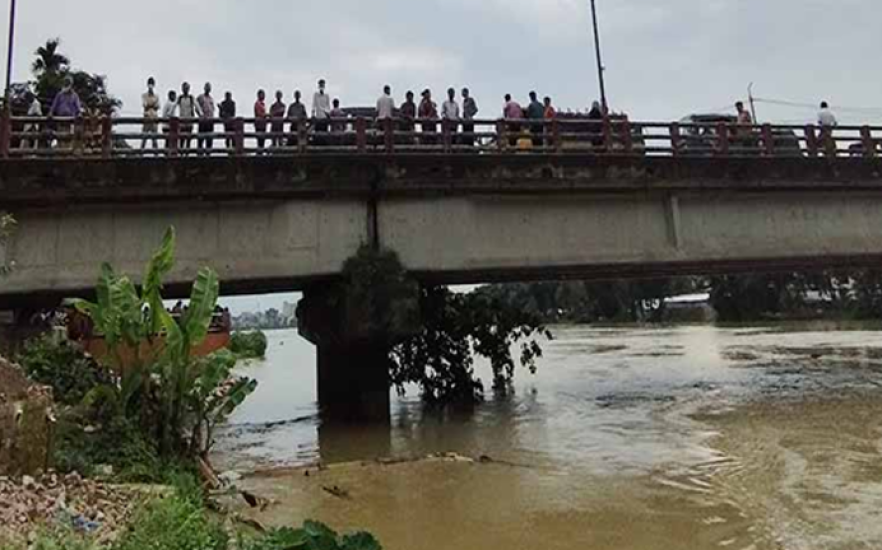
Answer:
(31, 503)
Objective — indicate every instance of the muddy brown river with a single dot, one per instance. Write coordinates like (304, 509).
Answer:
(626, 438)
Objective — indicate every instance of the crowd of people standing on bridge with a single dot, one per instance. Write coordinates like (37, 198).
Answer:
(278, 125)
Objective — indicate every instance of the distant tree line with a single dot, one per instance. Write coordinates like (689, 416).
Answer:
(851, 294)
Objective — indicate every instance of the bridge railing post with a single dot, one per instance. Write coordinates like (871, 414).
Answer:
(674, 131)
(607, 134)
(556, 143)
(446, 135)
(302, 137)
(627, 138)
(106, 136)
(174, 137)
(768, 140)
(501, 137)
(389, 135)
(5, 132)
(361, 135)
(868, 143)
(239, 137)
(811, 140)
(723, 138)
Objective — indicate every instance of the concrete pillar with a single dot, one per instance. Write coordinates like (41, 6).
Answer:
(353, 382)
(354, 331)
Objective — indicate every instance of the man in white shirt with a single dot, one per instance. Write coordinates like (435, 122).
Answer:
(450, 113)
(32, 130)
(321, 112)
(827, 121)
(825, 117)
(206, 120)
(169, 111)
(386, 105)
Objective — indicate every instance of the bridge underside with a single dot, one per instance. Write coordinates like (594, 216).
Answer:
(272, 224)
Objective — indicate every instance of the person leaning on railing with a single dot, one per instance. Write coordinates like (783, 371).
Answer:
(65, 105)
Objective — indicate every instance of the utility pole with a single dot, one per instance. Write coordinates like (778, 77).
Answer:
(600, 67)
(9, 53)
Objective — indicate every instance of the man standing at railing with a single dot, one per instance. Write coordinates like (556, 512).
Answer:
(338, 123)
(151, 105)
(536, 112)
(32, 130)
(277, 113)
(512, 112)
(428, 112)
(188, 110)
(206, 116)
(549, 114)
(66, 105)
(469, 112)
(260, 119)
(744, 128)
(408, 113)
(450, 114)
(228, 114)
(827, 121)
(169, 111)
(385, 104)
(297, 116)
(321, 112)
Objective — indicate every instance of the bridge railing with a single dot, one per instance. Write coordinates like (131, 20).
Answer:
(138, 137)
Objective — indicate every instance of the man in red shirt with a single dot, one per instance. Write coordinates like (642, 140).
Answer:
(260, 119)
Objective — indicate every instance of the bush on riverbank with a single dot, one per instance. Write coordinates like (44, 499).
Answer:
(249, 345)
(61, 365)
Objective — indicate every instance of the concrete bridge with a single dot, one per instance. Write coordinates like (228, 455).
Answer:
(272, 224)
(288, 222)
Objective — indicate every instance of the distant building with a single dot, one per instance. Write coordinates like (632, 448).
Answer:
(690, 308)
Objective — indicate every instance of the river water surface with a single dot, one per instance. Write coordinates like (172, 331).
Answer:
(626, 438)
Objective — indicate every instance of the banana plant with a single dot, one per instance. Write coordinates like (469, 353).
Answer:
(176, 369)
(129, 319)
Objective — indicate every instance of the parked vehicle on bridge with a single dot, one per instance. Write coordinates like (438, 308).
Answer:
(700, 136)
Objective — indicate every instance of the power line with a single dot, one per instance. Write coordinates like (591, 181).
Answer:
(802, 105)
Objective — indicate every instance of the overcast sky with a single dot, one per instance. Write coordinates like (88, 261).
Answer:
(665, 58)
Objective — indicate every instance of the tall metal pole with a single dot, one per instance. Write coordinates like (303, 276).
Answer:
(600, 67)
(9, 51)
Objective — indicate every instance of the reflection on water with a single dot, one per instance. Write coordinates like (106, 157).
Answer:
(626, 438)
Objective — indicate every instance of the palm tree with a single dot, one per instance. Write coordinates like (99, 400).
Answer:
(49, 60)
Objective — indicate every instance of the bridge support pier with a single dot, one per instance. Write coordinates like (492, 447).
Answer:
(354, 329)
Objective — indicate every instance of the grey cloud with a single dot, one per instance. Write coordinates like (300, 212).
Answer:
(665, 58)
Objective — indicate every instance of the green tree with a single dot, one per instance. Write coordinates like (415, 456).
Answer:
(51, 67)
(440, 358)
